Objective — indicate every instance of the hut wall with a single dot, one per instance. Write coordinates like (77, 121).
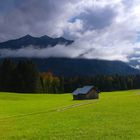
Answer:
(92, 94)
(79, 97)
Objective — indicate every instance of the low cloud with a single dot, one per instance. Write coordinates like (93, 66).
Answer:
(37, 52)
(75, 50)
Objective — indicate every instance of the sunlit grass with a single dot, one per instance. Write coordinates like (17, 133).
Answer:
(115, 116)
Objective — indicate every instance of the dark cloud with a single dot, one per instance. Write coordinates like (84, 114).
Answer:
(6, 6)
(97, 17)
(36, 17)
(101, 28)
(39, 17)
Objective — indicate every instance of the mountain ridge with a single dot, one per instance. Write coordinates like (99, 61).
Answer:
(67, 66)
(27, 40)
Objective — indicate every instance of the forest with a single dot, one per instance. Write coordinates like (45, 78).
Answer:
(23, 77)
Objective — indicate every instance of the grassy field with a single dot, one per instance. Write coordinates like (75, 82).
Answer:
(115, 116)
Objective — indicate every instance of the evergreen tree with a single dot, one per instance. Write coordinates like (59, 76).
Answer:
(6, 75)
(28, 77)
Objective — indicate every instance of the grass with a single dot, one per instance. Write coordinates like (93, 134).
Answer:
(115, 116)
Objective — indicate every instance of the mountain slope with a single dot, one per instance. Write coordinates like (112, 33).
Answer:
(27, 40)
(67, 66)
(82, 67)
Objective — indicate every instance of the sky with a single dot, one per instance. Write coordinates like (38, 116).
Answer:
(101, 29)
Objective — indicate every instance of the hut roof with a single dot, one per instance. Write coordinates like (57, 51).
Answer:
(83, 90)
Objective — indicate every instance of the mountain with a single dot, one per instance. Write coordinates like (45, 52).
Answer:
(82, 67)
(67, 66)
(27, 40)
(135, 64)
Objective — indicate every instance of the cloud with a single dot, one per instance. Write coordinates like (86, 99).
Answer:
(97, 17)
(101, 29)
(34, 17)
(76, 50)
(37, 52)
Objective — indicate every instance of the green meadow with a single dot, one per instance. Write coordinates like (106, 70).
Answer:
(115, 116)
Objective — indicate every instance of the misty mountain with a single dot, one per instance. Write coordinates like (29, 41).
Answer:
(134, 64)
(67, 66)
(82, 67)
(28, 40)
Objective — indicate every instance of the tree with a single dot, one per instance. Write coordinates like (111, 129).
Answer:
(28, 77)
(50, 83)
(6, 75)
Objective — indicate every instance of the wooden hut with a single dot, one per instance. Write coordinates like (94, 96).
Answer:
(86, 92)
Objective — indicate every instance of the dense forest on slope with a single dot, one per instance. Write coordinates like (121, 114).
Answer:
(80, 67)
(25, 78)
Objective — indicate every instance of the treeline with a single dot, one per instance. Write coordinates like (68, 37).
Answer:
(23, 77)
(20, 77)
(104, 82)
